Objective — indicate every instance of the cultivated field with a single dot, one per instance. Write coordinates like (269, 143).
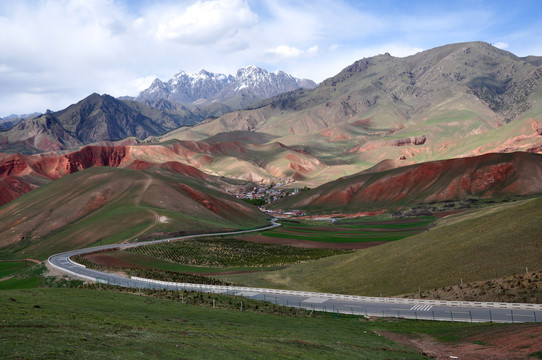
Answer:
(357, 232)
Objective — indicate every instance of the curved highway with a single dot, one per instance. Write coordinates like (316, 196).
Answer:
(345, 304)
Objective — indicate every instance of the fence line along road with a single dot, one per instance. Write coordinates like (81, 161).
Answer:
(336, 303)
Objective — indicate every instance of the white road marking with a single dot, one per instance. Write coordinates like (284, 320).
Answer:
(421, 308)
(316, 300)
(247, 293)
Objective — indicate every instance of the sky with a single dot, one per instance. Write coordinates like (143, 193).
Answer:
(54, 53)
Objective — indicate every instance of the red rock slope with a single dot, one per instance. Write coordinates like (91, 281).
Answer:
(485, 176)
(22, 173)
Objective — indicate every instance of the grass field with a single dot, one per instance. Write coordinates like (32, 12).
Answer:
(8, 268)
(488, 243)
(20, 275)
(352, 230)
(92, 324)
(156, 263)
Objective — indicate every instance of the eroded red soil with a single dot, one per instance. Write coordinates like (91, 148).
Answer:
(503, 343)
(20, 173)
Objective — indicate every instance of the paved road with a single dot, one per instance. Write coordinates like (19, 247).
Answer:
(340, 304)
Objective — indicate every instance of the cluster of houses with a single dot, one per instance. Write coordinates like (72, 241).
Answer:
(268, 193)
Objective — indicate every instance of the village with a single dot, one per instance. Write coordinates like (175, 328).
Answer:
(263, 194)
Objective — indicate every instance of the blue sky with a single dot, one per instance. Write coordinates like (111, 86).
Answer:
(55, 52)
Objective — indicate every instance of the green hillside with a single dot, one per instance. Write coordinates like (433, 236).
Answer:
(108, 205)
(493, 242)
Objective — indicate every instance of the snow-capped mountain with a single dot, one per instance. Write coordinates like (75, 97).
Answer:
(251, 84)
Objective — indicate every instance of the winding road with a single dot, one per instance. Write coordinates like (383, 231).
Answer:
(341, 304)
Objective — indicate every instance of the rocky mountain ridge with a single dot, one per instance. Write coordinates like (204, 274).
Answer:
(203, 88)
(94, 119)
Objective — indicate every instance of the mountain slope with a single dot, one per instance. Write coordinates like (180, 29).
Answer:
(107, 205)
(455, 100)
(22, 173)
(486, 176)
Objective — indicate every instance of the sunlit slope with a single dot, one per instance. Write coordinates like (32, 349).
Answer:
(478, 245)
(106, 205)
(485, 176)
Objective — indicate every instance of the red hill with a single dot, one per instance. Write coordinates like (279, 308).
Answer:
(22, 173)
(486, 176)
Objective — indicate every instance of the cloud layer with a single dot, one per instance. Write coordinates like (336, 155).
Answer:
(54, 53)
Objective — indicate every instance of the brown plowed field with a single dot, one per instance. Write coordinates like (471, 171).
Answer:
(104, 259)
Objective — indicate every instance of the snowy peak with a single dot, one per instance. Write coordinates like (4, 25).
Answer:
(204, 87)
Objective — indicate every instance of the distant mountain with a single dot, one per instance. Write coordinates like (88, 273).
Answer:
(250, 84)
(10, 121)
(94, 119)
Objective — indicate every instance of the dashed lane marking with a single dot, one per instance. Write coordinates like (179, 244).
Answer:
(315, 300)
(421, 308)
(247, 293)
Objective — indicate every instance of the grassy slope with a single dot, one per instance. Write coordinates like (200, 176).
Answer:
(493, 242)
(87, 324)
(108, 205)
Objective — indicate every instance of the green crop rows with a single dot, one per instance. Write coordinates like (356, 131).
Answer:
(351, 231)
(228, 252)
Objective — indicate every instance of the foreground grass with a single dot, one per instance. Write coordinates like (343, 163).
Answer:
(98, 324)
(90, 324)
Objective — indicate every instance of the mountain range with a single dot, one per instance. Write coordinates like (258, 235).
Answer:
(204, 88)
(155, 111)
(458, 100)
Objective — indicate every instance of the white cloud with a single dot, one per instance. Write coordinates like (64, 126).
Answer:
(501, 45)
(206, 22)
(54, 53)
(285, 51)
